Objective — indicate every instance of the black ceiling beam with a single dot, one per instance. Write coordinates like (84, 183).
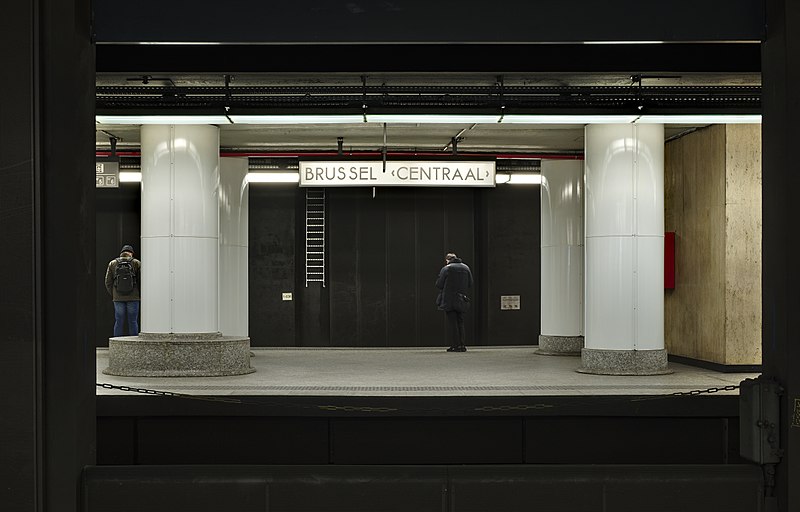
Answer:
(621, 59)
(424, 21)
(410, 98)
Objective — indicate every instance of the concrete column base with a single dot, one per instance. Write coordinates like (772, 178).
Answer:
(624, 362)
(178, 355)
(559, 345)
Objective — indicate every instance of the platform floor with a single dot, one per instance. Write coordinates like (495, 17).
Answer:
(482, 371)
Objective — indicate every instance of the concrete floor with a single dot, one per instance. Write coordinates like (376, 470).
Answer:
(482, 371)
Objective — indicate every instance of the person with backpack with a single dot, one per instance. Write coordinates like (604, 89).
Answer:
(122, 282)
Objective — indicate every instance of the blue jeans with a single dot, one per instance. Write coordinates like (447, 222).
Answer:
(129, 309)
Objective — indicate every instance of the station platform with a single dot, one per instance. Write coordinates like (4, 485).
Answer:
(422, 372)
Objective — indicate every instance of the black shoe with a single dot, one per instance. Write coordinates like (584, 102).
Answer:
(452, 349)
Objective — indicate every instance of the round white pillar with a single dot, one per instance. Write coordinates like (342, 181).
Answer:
(624, 250)
(180, 228)
(233, 246)
(562, 258)
(180, 247)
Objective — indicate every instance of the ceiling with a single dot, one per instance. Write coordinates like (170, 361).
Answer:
(412, 137)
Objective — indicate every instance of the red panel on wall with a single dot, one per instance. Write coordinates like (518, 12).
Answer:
(669, 260)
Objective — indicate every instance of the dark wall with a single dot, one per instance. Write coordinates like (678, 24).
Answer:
(450, 488)
(272, 257)
(383, 256)
(47, 424)
(175, 440)
(510, 241)
(117, 222)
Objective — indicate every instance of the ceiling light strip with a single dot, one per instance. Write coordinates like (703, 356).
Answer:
(434, 119)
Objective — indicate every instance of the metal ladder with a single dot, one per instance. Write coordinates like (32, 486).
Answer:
(315, 236)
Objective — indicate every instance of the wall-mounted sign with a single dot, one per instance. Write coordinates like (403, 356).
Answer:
(106, 174)
(397, 174)
(509, 302)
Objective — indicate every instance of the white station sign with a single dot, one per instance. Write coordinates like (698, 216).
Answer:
(397, 174)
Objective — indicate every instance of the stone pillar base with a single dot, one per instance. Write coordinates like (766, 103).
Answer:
(559, 345)
(178, 355)
(624, 362)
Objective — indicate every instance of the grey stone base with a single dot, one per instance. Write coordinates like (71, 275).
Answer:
(178, 355)
(624, 362)
(559, 345)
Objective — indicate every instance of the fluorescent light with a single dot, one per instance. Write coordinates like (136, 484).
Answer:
(298, 119)
(187, 119)
(130, 177)
(518, 178)
(181, 43)
(525, 179)
(273, 177)
(623, 42)
(567, 119)
(701, 119)
(252, 177)
(432, 118)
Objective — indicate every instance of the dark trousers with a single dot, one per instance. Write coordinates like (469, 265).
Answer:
(455, 328)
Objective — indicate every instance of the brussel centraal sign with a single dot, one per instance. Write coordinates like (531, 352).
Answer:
(397, 174)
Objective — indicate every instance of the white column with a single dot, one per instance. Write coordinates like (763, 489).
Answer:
(624, 250)
(233, 244)
(562, 257)
(180, 226)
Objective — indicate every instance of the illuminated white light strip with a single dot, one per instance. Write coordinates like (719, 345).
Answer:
(180, 43)
(188, 119)
(623, 42)
(518, 178)
(432, 118)
(435, 119)
(130, 177)
(567, 119)
(273, 177)
(298, 119)
(701, 119)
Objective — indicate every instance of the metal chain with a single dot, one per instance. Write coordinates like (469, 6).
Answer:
(694, 392)
(332, 408)
(168, 393)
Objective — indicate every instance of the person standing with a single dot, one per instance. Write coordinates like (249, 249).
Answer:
(122, 282)
(454, 280)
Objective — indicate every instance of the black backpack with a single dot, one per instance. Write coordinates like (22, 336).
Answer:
(124, 276)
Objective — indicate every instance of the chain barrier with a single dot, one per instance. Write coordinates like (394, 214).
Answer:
(339, 408)
(168, 393)
(694, 392)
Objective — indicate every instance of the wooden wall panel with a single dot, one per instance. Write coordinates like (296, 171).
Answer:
(694, 311)
(743, 245)
(713, 203)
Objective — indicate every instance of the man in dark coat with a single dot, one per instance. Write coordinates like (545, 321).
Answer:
(454, 280)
